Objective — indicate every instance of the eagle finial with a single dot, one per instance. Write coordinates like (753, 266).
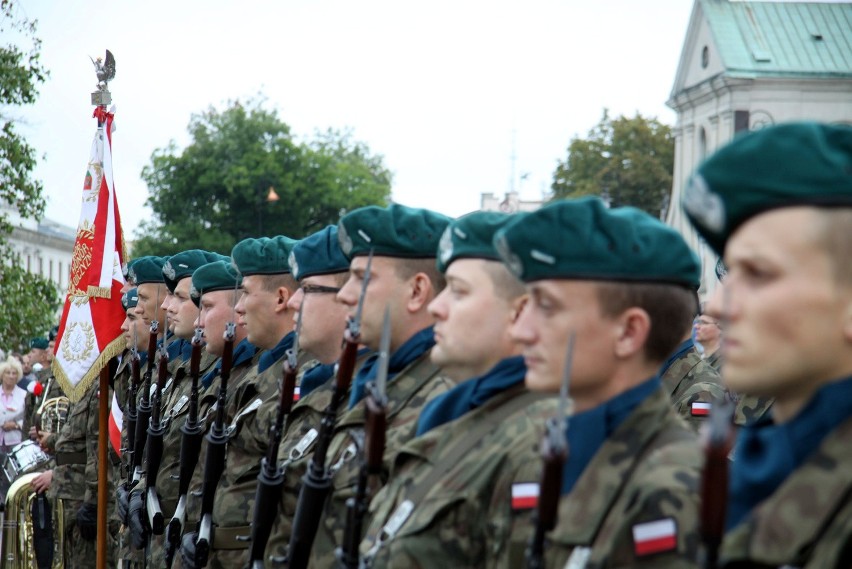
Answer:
(104, 71)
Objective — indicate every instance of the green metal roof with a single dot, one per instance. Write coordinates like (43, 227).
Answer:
(782, 39)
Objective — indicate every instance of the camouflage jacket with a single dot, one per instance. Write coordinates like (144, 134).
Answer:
(69, 475)
(637, 503)
(807, 522)
(175, 406)
(692, 385)
(417, 384)
(295, 451)
(715, 361)
(465, 517)
(751, 408)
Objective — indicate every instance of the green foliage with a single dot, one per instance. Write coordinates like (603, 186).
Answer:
(20, 73)
(214, 192)
(626, 161)
(29, 305)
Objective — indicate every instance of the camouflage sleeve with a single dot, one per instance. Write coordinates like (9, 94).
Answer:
(695, 404)
(662, 503)
(92, 430)
(511, 525)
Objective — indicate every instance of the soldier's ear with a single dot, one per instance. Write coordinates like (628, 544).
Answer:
(632, 328)
(283, 298)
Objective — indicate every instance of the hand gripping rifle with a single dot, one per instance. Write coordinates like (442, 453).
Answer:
(214, 463)
(714, 481)
(554, 453)
(316, 483)
(190, 447)
(371, 460)
(156, 431)
(270, 481)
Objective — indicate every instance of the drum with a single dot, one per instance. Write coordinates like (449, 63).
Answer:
(23, 459)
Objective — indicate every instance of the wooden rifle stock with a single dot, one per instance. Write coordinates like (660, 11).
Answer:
(316, 483)
(156, 431)
(143, 411)
(190, 447)
(133, 393)
(554, 453)
(214, 463)
(714, 482)
(270, 480)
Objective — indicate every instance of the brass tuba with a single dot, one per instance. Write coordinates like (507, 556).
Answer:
(18, 544)
(18, 547)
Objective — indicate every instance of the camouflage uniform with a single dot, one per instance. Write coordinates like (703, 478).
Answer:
(69, 476)
(295, 451)
(693, 386)
(465, 517)
(647, 471)
(807, 521)
(751, 408)
(715, 361)
(239, 375)
(417, 384)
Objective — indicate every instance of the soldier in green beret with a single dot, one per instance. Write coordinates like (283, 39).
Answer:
(450, 495)
(266, 285)
(403, 279)
(320, 267)
(215, 289)
(616, 287)
(777, 203)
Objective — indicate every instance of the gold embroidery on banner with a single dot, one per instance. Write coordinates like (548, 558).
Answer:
(97, 175)
(81, 259)
(79, 342)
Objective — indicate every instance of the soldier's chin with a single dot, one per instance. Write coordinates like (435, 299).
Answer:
(742, 381)
(535, 380)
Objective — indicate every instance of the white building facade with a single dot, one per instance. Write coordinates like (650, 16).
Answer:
(749, 64)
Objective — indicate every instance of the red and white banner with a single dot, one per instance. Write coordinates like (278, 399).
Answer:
(116, 421)
(90, 328)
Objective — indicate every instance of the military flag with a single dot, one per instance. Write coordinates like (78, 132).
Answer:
(90, 327)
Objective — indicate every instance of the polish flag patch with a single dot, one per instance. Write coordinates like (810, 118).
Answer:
(655, 537)
(700, 409)
(296, 392)
(524, 495)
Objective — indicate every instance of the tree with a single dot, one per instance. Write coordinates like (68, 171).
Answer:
(28, 305)
(20, 73)
(626, 161)
(215, 192)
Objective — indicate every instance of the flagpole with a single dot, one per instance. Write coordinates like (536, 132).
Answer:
(101, 98)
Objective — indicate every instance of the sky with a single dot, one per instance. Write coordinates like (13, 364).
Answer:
(456, 95)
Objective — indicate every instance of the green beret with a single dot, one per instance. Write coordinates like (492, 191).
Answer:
(218, 275)
(263, 255)
(471, 236)
(130, 299)
(182, 265)
(793, 164)
(39, 343)
(583, 239)
(146, 270)
(393, 231)
(318, 254)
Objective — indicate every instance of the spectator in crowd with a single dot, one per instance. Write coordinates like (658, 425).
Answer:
(12, 400)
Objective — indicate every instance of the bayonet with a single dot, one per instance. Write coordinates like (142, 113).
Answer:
(355, 324)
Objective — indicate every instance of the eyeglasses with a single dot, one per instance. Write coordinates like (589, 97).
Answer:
(316, 289)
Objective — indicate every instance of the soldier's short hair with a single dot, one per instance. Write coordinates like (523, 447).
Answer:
(506, 285)
(670, 308)
(835, 234)
(407, 268)
(272, 283)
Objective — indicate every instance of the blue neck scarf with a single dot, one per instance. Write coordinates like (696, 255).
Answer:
(269, 357)
(766, 453)
(318, 375)
(470, 394)
(679, 351)
(413, 348)
(243, 352)
(186, 351)
(587, 431)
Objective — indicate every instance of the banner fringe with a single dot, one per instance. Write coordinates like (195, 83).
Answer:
(99, 292)
(75, 393)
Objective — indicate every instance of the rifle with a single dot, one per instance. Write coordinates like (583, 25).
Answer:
(316, 483)
(143, 410)
(156, 431)
(270, 481)
(190, 447)
(714, 481)
(371, 459)
(554, 453)
(133, 393)
(214, 463)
